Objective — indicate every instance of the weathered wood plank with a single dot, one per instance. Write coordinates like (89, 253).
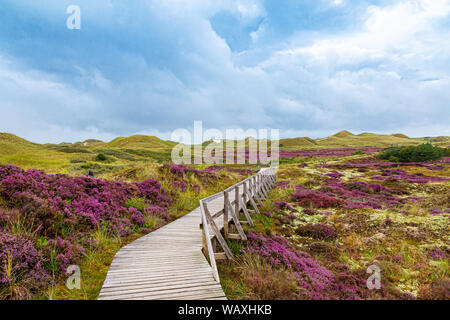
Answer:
(169, 264)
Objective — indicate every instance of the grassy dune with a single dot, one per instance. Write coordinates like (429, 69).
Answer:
(333, 213)
(125, 152)
(327, 221)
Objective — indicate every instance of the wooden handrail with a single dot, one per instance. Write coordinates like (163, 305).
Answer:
(258, 188)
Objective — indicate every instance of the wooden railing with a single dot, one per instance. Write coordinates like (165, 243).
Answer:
(223, 210)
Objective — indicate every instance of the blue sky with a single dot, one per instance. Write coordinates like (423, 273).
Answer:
(308, 68)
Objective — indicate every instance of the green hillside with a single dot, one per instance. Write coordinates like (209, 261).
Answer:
(139, 142)
(304, 142)
(79, 157)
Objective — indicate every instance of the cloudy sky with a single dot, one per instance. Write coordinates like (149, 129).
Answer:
(306, 67)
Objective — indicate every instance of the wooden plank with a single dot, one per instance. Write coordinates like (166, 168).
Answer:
(220, 255)
(168, 263)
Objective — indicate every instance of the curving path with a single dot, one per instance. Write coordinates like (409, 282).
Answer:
(165, 264)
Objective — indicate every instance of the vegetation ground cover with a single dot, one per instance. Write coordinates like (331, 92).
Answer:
(325, 223)
(337, 209)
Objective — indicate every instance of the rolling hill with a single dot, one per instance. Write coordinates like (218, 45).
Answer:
(79, 157)
(139, 142)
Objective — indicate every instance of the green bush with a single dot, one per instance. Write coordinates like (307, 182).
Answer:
(423, 152)
(137, 203)
(447, 152)
(101, 157)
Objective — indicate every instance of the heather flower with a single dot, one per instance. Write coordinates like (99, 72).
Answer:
(283, 205)
(316, 199)
(65, 252)
(21, 265)
(436, 254)
(407, 296)
(179, 185)
(309, 211)
(157, 211)
(56, 202)
(267, 214)
(335, 174)
(136, 216)
(196, 188)
(316, 281)
(282, 184)
(179, 169)
(337, 152)
(317, 231)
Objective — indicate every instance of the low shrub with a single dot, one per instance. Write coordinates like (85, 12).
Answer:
(22, 272)
(317, 231)
(316, 199)
(420, 153)
(101, 157)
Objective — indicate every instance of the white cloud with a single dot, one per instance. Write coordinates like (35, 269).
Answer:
(338, 2)
(371, 79)
(368, 79)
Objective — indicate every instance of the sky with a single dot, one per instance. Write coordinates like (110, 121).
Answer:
(307, 68)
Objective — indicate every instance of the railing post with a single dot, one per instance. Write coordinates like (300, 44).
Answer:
(225, 213)
(255, 191)
(204, 242)
(245, 193)
(209, 250)
(258, 188)
(261, 191)
(236, 202)
(267, 185)
(263, 186)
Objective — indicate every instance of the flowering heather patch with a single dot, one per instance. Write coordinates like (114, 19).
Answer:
(66, 253)
(61, 213)
(267, 214)
(390, 232)
(82, 203)
(157, 211)
(316, 199)
(400, 175)
(372, 162)
(317, 231)
(315, 281)
(360, 194)
(196, 188)
(309, 211)
(179, 185)
(136, 216)
(334, 174)
(437, 254)
(282, 184)
(338, 152)
(179, 169)
(283, 205)
(22, 271)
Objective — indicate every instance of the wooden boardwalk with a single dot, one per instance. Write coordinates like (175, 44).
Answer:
(177, 261)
